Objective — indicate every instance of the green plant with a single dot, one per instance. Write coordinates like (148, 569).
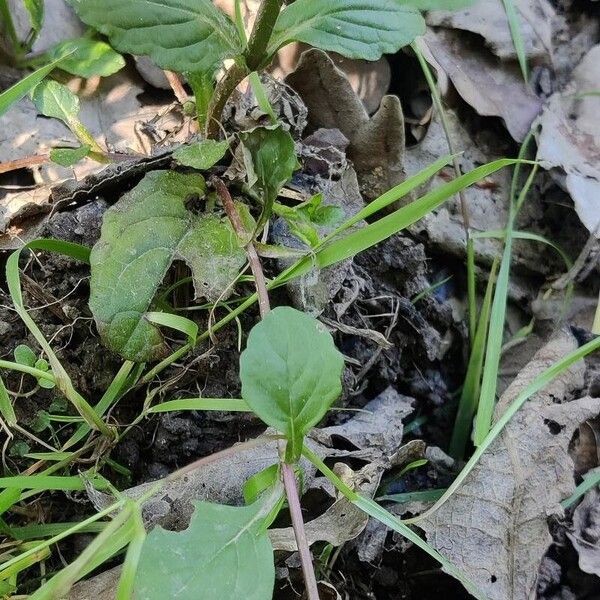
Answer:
(194, 37)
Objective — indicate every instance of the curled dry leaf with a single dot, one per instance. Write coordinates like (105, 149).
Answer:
(492, 88)
(376, 144)
(570, 139)
(488, 19)
(494, 528)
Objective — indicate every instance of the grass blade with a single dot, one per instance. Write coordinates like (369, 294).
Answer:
(22, 88)
(50, 482)
(493, 352)
(224, 404)
(376, 511)
(514, 25)
(6, 408)
(589, 481)
(470, 392)
(539, 383)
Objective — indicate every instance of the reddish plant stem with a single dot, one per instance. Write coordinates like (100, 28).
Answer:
(291, 491)
(287, 470)
(259, 277)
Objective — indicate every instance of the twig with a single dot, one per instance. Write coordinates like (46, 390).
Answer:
(287, 470)
(24, 163)
(176, 86)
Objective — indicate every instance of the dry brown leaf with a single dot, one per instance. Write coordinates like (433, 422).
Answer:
(376, 144)
(494, 528)
(570, 139)
(585, 536)
(492, 88)
(487, 18)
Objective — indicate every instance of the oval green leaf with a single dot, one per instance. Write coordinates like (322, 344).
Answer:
(201, 155)
(142, 234)
(354, 28)
(181, 35)
(291, 373)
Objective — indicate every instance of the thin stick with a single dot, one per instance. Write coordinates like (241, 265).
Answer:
(287, 470)
(176, 86)
(24, 163)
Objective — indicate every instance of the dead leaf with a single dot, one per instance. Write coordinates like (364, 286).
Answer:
(494, 528)
(585, 536)
(492, 88)
(570, 139)
(376, 145)
(488, 19)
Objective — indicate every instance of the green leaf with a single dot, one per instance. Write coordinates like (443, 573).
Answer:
(90, 57)
(224, 553)
(22, 88)
(35, 8)
(41, 421)
(354, 28)
(55, 100)
(290, 373)
(66, 157)
(201, 155)
(141, 236)
(181, 35)
(24, 355)
(270, 160)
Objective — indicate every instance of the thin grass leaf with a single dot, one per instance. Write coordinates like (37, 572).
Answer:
(396, 193)
(418, 496)
(517, 36)
(50, 482)
(177, 322)
(539, 383)
(34, 532)
(115, 536)
(6, 408)
(50, 456)
(221, 404)
(10, 27)
(62, 379)
(471, 289)
(470, 392)
(379, 513)
(493, 352)
(24, 563)
(589, 481)
(23, 87)
(261, 96)
(132, 557)
(117, 388)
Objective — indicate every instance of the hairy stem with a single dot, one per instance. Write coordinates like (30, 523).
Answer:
(234, 76)
(261, 34)
(287, 470)
(259, 277)
(255, 58)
